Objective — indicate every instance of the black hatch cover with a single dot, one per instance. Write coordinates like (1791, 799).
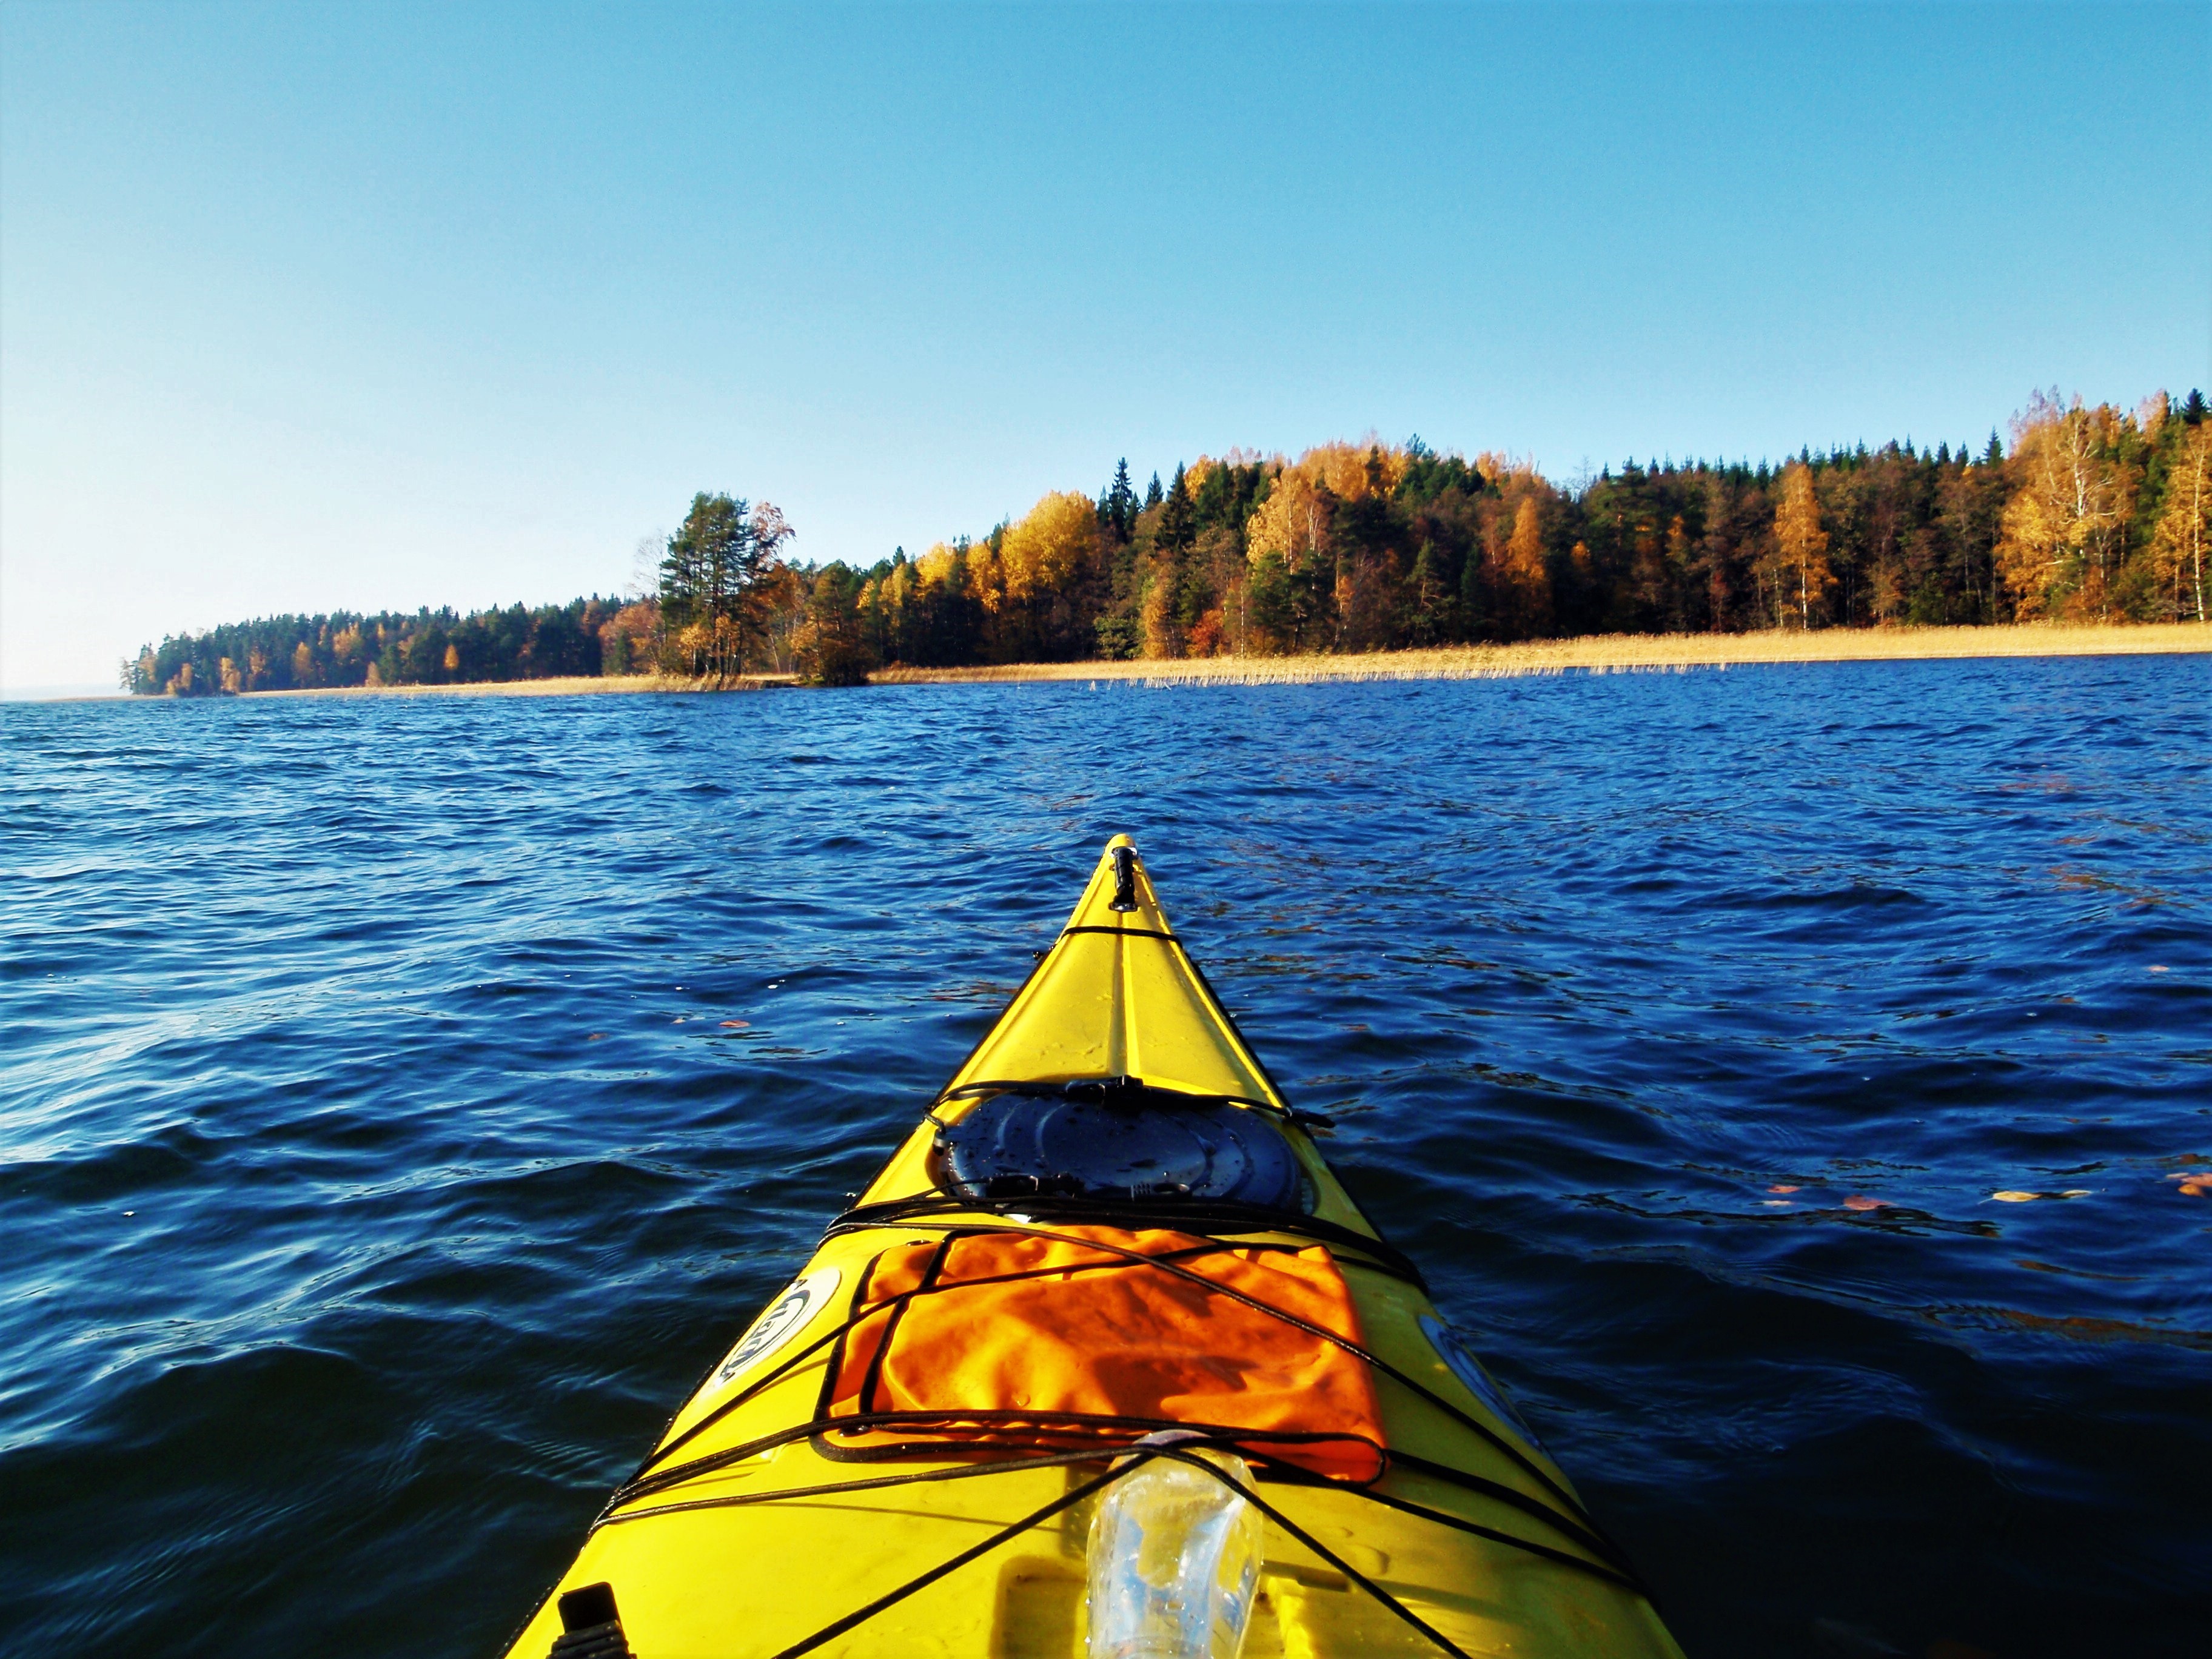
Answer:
(1122, 1142)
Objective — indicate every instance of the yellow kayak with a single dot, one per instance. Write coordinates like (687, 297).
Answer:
(1105, 1363)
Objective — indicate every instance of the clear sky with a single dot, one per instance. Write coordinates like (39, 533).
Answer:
(308, 307)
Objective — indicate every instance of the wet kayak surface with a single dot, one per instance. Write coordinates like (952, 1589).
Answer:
(1795, 1083)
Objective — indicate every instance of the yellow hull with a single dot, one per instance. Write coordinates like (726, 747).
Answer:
(1472, 1530)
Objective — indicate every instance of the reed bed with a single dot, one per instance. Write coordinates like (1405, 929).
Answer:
(1607, 653)
(1610, 653)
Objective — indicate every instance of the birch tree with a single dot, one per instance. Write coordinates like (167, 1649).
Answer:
(1800, 544)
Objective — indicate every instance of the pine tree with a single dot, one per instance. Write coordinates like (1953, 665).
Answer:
(715, 581)
(1152, 495)
(1117, 505)
(1178, 526)
(2184, 526)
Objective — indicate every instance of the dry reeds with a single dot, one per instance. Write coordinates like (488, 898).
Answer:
(1605, 655)
(1609, 653)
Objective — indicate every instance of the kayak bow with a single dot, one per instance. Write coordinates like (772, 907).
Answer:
(1110, 1245)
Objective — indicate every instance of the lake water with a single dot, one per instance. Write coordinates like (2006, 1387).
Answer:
(404, 1100)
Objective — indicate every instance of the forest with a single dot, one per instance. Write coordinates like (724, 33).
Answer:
(2089, 514)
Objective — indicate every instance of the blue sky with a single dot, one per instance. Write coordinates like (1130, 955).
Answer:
(367, 305)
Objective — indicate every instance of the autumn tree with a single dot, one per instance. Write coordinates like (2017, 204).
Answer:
(828, 646)
(1037, 573)
(1801, 560)
(1526, 582)
(1293, 565)
(2062, 526)
(2093, 513)
(717, 581)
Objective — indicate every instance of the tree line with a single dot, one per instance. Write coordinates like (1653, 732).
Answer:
(2091, 514)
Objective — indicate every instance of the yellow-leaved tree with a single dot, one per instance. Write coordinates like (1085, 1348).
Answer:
(1803, 577)
(1032, 576)
(1051, 549)
(1528, 582)
(1292, 525)
(2064, 528)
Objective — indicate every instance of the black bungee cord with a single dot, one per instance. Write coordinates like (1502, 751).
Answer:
(1580, 1530)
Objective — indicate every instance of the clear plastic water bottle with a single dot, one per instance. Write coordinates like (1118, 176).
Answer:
(1174, 1560)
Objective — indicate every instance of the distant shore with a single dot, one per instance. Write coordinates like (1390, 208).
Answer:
(1608, 653)
(1596, 654)
(569, 685)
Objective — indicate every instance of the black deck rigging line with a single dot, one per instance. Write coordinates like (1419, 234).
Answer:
(1356, 1349)
(1043, 1086)
(1136, 1460)
(837, 1488)
(1019, 1427)
(1174, 1214)
(644, 1483)
(1293, 1475)
(1458, 1524)
(1165, 1265)
(891, 1302)
(1269, 1466)
(1127, 933)
(835, 1628)
(1321, 1549)
(1039, 1425)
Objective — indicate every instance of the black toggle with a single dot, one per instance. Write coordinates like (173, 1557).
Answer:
(590, 1627)
(1125, 880)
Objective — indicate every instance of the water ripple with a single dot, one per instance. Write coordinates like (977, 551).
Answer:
(405, 1099)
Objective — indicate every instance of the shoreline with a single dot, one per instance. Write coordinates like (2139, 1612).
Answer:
(1604, 653)
(1608, 653)
(565, 685)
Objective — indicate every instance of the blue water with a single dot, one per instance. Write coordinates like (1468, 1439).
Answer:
(404, 1100)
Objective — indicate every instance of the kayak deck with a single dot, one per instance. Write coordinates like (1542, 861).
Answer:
(752, 1530)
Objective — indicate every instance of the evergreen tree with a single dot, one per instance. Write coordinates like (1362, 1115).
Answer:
(714, 581)
(1152, 495)
(1178, 526)
(1117, 505)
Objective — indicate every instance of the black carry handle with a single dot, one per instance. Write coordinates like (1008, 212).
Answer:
(1125, 880)
(590, 1627)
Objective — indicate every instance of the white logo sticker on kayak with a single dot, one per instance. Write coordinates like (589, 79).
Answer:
(1464, 1366)
(782, 1321)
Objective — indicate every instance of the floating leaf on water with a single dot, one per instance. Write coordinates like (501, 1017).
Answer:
(2013, 1195)
(1776, 1203)
(1782, 1189)
(1859, 1201)
(736, 1025)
